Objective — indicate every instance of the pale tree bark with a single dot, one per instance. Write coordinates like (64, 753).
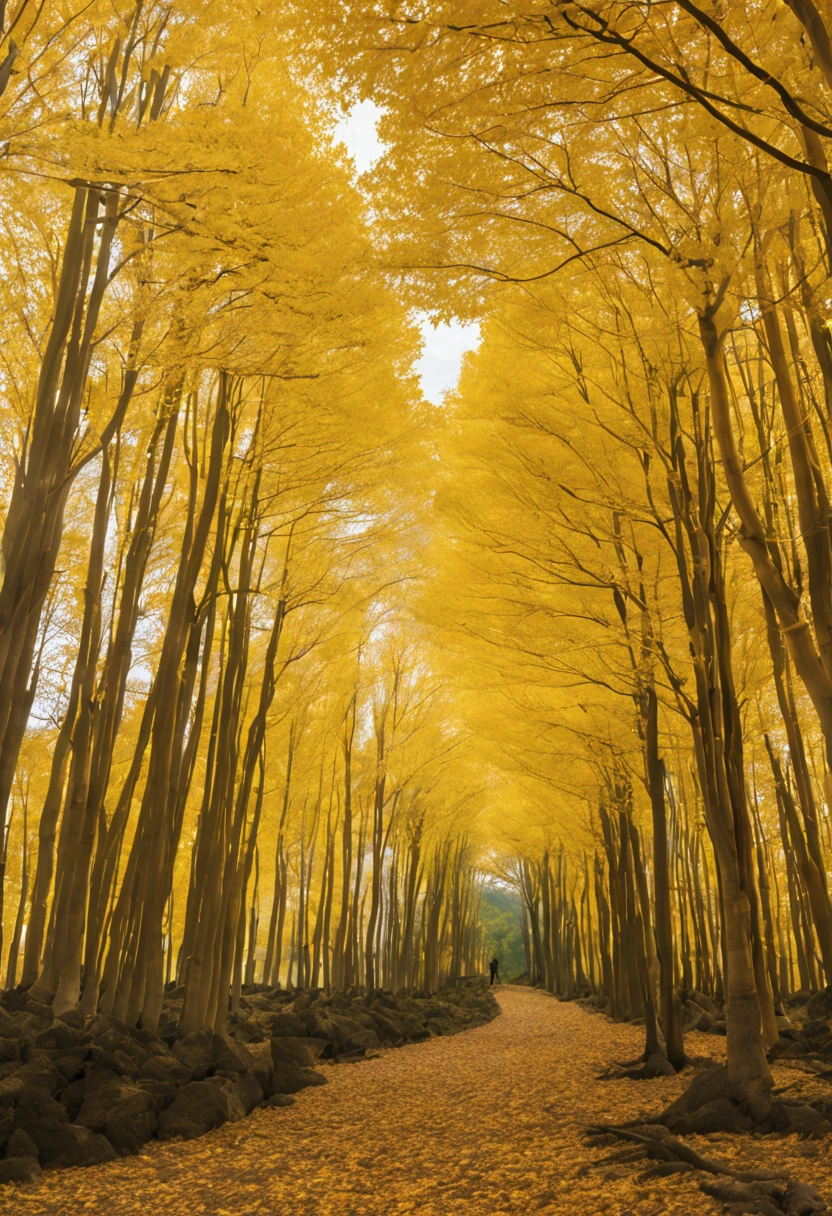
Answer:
(134, 964)
(669, 1003)
(61, 969)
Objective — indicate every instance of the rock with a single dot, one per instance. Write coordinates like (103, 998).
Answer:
(99, 1104)
(131, 1122)
(705, 1002)
(196, 1049)
(306, 999)
(388, 1029)
(59, 1035)
(118, 1061)
(721, 1115)
(11, 1091)
(260, 1001)
(116, 1037)
(59, 1142)
(351, 1036)
(62, 1145)
(415, 1030)
(286, 1023)
(21, 1144)
(718, 1028)
(783, 1023)
(161, 1092)
(314, 1078)
(19, 1169)
(81, 1053)
(817, 1028)
(198, 1107)
(699, 1019)
(9, 1050)
(819, 1005)
(280, 1100)
(243, 1031)
(380, 997)
(803, 1119)
(11, 1000)
(290, 1079)
(38, 1009)
(261, 1066)
(320, 1025)
(364, 1018)
(303, 1052)
(96, 1075)
(70, 1067)
(437, 1009)
(73, 1018)
(151, 1043)
(129, 1054)
(72, 1098)
(6, 1126)
(103, 1022)
(248, 1091)
(40, 1073)
(165, 1068)
(35, 1107)
(793, 1051)
(228, 1056)
(801, 1199)
(25, 1026)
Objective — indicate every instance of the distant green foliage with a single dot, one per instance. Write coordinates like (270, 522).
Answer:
(500, 915)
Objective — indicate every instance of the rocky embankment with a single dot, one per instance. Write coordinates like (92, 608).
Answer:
(804, 1025)
(708, 1105)
(77, 1092)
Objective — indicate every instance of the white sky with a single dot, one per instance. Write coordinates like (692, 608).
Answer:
(444, 344)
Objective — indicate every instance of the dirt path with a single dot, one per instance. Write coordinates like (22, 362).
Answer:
(484, 1123)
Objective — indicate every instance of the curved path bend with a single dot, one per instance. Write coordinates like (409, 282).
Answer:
(484, 1123)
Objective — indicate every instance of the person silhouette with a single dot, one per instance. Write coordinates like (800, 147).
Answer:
(494, 968)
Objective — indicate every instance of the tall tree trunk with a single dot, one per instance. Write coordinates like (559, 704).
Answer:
(670, 1005)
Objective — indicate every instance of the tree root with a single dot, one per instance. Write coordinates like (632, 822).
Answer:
(754, 1192)
(643, 1068)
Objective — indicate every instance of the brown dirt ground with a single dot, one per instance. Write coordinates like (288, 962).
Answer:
(485, 1123)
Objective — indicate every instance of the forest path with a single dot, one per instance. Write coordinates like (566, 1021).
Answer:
(485, 1123)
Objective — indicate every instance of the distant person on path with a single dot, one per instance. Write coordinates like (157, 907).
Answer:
(494, 968)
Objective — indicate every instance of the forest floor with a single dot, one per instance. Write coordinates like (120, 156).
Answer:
(484, 1123)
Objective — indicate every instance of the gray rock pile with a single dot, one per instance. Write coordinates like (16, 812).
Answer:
(805, 1033)
(702, 1012)
(78, 1092)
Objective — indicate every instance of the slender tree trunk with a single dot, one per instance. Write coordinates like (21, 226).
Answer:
(670, 1005)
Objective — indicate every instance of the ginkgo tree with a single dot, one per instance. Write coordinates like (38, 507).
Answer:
(291, 660)
(211, 402)
(655, 179)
